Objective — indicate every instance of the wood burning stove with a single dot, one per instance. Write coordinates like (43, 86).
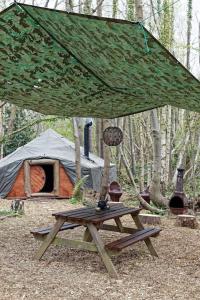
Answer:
(178, 203)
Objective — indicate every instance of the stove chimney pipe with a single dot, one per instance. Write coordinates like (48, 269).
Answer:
(87, 126)
(179, 180)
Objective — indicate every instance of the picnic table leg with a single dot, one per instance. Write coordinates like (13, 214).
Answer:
(87, 236)
(147, 240)
(119, 224)
(49, 239)
(101, 249)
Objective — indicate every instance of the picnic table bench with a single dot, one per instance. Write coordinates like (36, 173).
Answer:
(93, 222)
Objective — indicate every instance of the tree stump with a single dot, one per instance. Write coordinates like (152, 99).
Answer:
(150, 219)
(187, 221)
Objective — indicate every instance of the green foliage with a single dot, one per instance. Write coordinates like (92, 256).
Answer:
(74, 201)
(23, 137)
(10, 213)
(78, 189)
(61, 126)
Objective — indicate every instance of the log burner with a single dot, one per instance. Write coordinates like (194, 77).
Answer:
(178, 203)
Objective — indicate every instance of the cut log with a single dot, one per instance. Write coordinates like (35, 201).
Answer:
(187, 221)
(150, 219)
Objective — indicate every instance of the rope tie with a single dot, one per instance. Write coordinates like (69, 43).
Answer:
(147, 49)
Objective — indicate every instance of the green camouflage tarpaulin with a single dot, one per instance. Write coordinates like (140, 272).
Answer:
(68, 64)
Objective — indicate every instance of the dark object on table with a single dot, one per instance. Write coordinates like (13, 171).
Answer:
(115, 191)
(112, 136)
(178, 203)
(102, 204)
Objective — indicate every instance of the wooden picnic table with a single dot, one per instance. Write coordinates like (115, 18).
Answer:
(93, 222)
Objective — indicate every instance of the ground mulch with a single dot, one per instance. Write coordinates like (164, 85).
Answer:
(69, 274)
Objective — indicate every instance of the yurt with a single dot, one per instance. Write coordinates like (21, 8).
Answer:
(45, 167)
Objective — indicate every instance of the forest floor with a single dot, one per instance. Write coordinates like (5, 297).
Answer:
(69, 274)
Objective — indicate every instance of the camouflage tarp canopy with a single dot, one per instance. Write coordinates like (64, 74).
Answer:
(68, 64)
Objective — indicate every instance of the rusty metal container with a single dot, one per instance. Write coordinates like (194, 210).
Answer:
(115, 191)
(146, 195)
(178, 203)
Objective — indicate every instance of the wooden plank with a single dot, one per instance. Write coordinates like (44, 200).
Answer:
(132, 239)
(98, 215)
(128, 237)
(84, 216)
(83, 209)
(147, 241)
(80, 245)
(56, 177)
(42, 161)
(112, 215)
(114, 228)
(70, 212)
(46, 230)
(43, 195)
(83, 212)
(101, 249)
(49, 238)
(27, 179)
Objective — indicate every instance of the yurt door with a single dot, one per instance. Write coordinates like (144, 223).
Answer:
(41, 177)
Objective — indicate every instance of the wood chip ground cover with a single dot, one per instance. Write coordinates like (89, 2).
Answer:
(69, 274)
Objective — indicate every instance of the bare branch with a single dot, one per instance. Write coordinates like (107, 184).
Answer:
(2, 104)
(27, 126)
(98, 6)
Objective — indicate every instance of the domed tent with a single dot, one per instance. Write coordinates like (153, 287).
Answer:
(46, 167)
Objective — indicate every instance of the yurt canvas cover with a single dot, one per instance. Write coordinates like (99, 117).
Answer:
(53, 146)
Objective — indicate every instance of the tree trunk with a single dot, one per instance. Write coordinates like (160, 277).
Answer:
(155, 188)
(98, 8)
(142, 160)
(139, 10)
(87, 7)
(114, 8)
(141, 200)
(181, 157)
(98, 136)
(167, 177)
(1, 129)
(189, 31)
(130, 10)
(106, 170)
(130, 126)
(12, 119)
(69, 5)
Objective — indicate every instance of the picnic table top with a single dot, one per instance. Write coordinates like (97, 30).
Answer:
(90, 215)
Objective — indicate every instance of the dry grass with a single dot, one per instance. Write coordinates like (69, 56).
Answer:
(68, 274)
